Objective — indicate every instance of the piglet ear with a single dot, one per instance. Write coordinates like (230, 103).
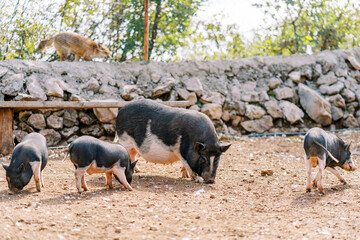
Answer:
(199, 146)
(132, 165)
(21, 168)
(223, 148)
(347, 147)
(5, 167)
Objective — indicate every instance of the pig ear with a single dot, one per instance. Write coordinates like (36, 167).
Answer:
(347, 146)
(99, 46)
(199, 146)
(132, 165)
(223, 148)
(21, 168)
(5, 167)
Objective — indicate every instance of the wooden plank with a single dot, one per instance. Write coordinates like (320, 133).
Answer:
(75, 105)
(6, 130)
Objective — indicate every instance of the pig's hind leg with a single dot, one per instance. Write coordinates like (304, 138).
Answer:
(36, 168)
(80, 179)
(42, 179)
(308, 173)
(321, 162)
(108, 176)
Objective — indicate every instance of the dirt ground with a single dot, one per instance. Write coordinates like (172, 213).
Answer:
(241, 203)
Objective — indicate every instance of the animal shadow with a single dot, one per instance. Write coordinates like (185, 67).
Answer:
(308, 199)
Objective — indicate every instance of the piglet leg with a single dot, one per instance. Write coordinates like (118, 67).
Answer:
(321, 173)
(120, 174)
(80, 179)
(337, 174)
(308, 174)
(37, 172)
(108, 176)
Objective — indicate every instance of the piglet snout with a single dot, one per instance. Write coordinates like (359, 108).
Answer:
(349, 167)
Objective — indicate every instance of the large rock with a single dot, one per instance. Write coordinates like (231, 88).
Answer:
(254, 112)
(348, 95)
(327, 79)
(292, 113)
(259, 125)
(331, 90)
(351, 122)
(213, 97)
(93, 130)
(92, 85)
(295, 76)
(37, 121)
(336, 113)
(214, 111)
(353, 60)
(274, 83)
(250, 96)
(35, 90)
(13, 84)
(68, 132)
(128, 91)
(106, 115)
(85, 118)
(70, 118)
(53, 138)
(273, 109)
(315, 105)
(337, 100)
(163, 89)
(186, 95)
(55, 122)
(53, 88)
(194, 85)
(283, 93)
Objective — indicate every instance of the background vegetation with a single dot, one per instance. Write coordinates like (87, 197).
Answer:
(290, 26)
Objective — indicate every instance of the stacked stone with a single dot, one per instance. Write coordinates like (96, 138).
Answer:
(242, 96)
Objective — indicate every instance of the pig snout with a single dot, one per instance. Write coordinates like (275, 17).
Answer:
(349, 166)
(208, 179)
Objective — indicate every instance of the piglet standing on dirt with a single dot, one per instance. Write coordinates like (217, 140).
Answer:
(28, 158)
(162, 134)
(328, 151)
(92, 155)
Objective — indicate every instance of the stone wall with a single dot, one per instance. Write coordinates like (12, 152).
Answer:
(242, 96)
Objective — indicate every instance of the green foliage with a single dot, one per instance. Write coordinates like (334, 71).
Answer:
(213, 40)
(117, 24)
(21, 28)
(296, 24)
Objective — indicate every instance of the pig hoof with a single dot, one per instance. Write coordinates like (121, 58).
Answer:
(308, 190)
(314, 184)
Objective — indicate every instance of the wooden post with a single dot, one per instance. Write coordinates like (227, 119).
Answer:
(146, 31)
(6, 130)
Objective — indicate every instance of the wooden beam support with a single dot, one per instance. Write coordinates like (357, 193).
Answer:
(6, 131)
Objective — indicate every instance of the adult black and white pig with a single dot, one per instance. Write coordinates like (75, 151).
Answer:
(328, 151)
(28, 158)
(162, 134)
(91, 155)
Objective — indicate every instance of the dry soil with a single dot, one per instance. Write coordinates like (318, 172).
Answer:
(241, 203)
